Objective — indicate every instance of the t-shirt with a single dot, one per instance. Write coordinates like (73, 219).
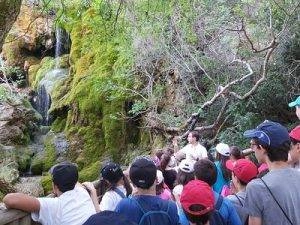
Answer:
(239, 204)
(108, 218)
(220, 182)
(284, 184)
(194, 153)
(111, 199)
(227, 211)
(71, 208)
(166, 194)
(132, 211)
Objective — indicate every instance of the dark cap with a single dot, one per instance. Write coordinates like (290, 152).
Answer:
(269, 133)
(64, 176)
(142, 172)
(112, 172)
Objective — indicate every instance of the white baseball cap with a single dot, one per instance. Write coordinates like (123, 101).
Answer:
(223, 149)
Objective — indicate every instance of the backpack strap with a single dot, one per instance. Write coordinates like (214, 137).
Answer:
(219, 202)
(119, 192)
(286, 216)
(239, 199)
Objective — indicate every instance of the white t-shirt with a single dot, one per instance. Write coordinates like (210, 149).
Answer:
(71, 208)
(111, 199)
(194, 152)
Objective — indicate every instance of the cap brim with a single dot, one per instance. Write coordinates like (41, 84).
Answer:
(250, 133)
(292, 104)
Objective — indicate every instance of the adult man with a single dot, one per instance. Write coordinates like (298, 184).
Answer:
(273, 199)
(206, 171)
(193, 151)
(72, 205)
(296, 104)
(294, 154)
(145, 207)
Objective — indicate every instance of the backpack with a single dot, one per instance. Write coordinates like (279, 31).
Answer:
(158, 217)
(216, 217)
(119, 192)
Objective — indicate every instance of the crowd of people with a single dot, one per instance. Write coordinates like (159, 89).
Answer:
(183, 186)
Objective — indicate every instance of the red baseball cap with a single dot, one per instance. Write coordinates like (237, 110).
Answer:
(197, 192)
(243, 169)
(295, 133)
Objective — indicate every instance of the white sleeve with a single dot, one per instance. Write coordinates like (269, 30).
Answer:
(107, 202)
(48, 210)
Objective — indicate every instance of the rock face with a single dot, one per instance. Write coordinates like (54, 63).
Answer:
(9, 10)
(16, 123)
(30, 37)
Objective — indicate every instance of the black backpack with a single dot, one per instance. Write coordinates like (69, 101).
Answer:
(216, 217)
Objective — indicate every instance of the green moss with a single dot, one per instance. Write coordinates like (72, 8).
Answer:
(46, 64)
(37, 164)
(50, 154)
(47, 184)
(90, 173)
(59, 124)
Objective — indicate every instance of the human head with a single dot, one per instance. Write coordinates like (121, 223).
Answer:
(223, 149)
(235, 153)
(206, 171)
(294, 153)
(197, 201)
(193, 137)
(296, 104)
(243, 170)
(185, 172)
(112, 172)
(142, 172)
(64, 176)
(273, 138)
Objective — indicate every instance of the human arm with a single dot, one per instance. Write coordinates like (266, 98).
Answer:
(21, 201)
(254, 220)
(93, 194)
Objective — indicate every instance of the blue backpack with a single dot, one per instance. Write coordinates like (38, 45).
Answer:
(216, 217)
(159, 217)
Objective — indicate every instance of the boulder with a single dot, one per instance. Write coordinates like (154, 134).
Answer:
(9, 171)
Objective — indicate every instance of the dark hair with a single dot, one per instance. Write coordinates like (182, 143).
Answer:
(225, 172)
(236, 152)
(195, 134)
(168, 150)
(184, 177)
(105, 186)
(198, 220)
(277, 154)
(164, 161)
(159, 153)
(160, 188)
(206, 171)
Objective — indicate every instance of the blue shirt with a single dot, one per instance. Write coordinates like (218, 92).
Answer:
(129, 208)
(217, 187)
(227, 211)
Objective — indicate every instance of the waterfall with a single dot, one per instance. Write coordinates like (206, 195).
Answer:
(42, 101)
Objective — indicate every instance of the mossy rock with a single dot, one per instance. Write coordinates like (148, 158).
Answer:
(63, 62)
(90, 173)
(37, 164)
(46, 65)
(47, 184)
(50, 152)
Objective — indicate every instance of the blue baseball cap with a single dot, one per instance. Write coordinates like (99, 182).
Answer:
(295, 103)
(269, 133)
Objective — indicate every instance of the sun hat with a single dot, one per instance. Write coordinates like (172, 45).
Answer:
(243, 169)
(269, 133)
(197, 192)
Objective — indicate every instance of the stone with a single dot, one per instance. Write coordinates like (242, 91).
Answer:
(9, 171)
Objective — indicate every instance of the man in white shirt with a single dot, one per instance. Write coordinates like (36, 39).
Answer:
(192, 151)
(72, 205)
